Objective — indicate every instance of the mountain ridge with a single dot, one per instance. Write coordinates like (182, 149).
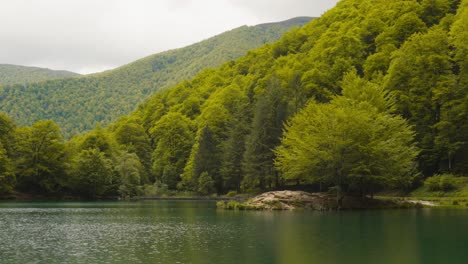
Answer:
(12, 74)
(78, 104)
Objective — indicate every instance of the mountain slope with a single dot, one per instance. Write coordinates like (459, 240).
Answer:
(78, 104)
(220, 129)
(11, 74)
(218, 132)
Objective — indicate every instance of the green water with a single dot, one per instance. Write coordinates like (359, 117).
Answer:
(195, 232)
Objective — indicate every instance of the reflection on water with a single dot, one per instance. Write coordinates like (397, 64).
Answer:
(195, 232)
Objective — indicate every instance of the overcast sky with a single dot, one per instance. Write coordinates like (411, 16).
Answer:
(93, 35)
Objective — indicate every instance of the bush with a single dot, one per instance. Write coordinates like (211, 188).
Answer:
(206, 184)
(444, 182)
(231, 194)
(156, 189)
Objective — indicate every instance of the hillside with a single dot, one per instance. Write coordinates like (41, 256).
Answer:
(371, 95)
(14, 74)
(227, 121)
(78, 104)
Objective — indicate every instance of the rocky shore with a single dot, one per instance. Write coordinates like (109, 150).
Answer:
(293, 200)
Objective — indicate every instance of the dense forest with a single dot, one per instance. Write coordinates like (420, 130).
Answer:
(78, 104)
(14, 74)
(372, 95)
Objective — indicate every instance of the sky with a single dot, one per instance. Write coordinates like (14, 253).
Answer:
(88, 36)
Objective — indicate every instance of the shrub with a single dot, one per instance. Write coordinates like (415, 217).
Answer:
(206, 184)
(156, 189)
(444, 182)
(231, 194)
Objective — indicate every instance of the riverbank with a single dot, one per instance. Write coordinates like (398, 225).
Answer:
(434, 202)
(294, 200)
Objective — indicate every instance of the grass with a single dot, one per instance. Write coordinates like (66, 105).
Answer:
(456, 196)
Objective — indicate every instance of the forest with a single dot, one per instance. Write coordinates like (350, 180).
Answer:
(78, 104)
(373, 95)
(14, 74)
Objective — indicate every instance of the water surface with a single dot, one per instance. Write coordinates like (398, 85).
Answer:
(195, 232)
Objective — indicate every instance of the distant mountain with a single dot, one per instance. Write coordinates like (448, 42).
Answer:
(78, 104)
(14, 74)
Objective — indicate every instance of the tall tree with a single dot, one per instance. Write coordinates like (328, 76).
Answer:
(92, 173)
(354, 141)
(40, 160)
(207, 158)
(421, 78)
(130, 170)
(267, 125)
(173, 138)
(7, 175)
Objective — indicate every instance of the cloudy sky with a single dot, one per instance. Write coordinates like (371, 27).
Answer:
(94, 35)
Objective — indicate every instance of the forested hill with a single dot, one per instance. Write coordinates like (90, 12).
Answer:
(224, 126)
(12, 74)
(372, 95)
(78, 104)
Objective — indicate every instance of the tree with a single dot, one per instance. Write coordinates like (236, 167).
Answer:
(7, 176)
(173, 139)
(130, 170)
(354, 141)
(132, 137)
(421, 77)
(92, 173)
(207, 158)
(40, 158)
(206, 184)
(101, 140)
(233, 151)
(271, 110)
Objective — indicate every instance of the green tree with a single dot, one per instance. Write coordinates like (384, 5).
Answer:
(173, 139)
(206, 184)
(99, 139)
(233, 151)
(41, 159)
(422, 80)
(92, 173)
(207, 158)
(349, 142)
(130, 170)
(267, 124)
(7, 176)
(131, 136)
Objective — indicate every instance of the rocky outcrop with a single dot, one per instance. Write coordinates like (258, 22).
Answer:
(291, 200)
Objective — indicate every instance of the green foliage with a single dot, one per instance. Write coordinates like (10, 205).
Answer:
(40, 158)
(92, 173)
(354, 88)
(231, 194)
(156, 189)
(206, 161)
(7, 176)
(13, 74)
(78, 104)
(130, 170)
(444, 183)
(131, 137)
(173, 138)
(206, 184)
(352, 141)
(267, 125)
(7, 173)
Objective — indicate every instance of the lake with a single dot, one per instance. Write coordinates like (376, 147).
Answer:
(196, 232)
